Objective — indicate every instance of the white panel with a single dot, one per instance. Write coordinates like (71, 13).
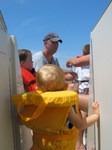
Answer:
(3, 42)
(101, 46)
(10, 84)
(23, 135)
(16, 78)
(6, 133)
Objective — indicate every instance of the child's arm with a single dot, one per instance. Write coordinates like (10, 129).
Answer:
(82, 123)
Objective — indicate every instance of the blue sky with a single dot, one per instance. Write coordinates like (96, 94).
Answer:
(72, 20)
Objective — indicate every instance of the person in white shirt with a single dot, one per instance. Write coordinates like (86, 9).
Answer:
(83, 79)
(83, 73)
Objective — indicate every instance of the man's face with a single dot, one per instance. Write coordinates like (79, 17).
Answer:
(51, 46)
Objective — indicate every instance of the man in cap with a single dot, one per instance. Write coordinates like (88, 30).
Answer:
(46, 56)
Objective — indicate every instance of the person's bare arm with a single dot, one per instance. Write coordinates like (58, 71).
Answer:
(70, 75)
(83, 123)
(83, 102)
(78, 62)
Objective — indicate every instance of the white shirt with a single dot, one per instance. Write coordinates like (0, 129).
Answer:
(83, 74)
(39, 60)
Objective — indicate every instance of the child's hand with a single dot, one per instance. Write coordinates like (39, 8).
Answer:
(95, 108)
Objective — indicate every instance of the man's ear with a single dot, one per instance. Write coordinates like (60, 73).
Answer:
(45, 43)
(66, 86)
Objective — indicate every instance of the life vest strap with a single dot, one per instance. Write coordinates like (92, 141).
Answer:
(29, 83)
(36, 114)
(57, 136)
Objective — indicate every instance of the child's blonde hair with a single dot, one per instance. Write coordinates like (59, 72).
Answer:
(50, 78)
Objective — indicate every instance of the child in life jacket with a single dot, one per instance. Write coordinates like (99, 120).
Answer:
(27, 70)
(53, 106)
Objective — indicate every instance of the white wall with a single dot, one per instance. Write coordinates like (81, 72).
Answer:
(101, 62)
(12, 136)
(6, 131)
(22, 135)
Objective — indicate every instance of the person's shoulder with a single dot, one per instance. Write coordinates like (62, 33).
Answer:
(25, 71)
(55, 58)
(37, 54)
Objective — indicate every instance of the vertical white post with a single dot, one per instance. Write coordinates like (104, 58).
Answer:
(6, 129)
(23, 136)
(101, 69)
(12, 136)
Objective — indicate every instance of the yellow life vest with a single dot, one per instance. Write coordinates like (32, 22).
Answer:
(46, 114)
